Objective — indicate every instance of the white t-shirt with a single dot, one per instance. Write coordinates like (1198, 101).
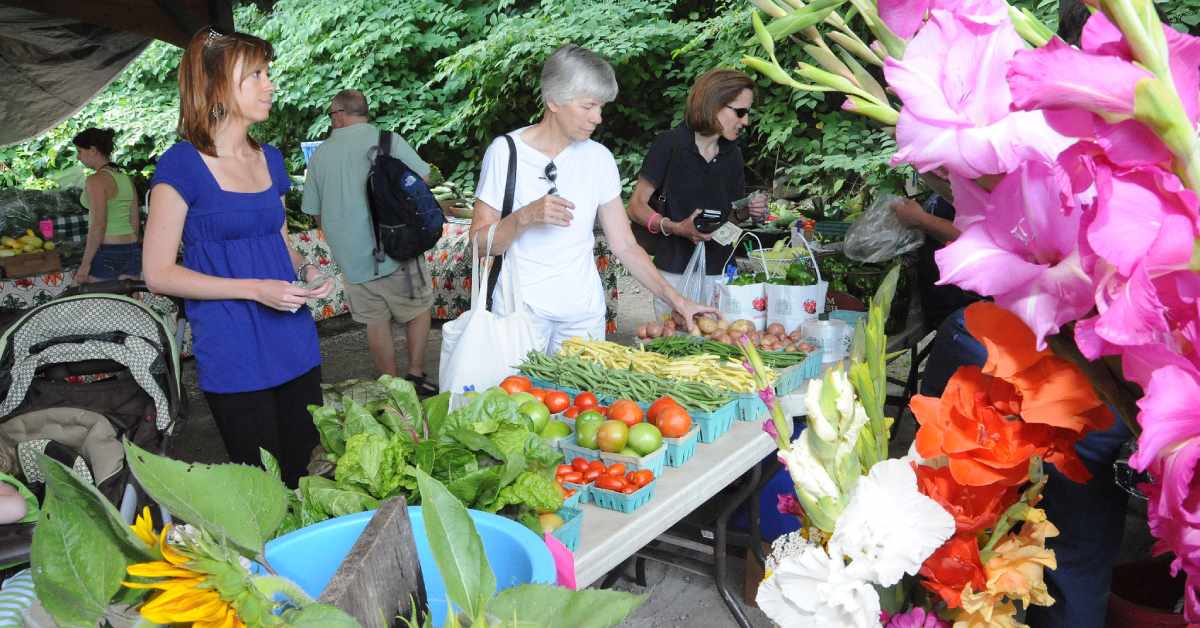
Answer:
(555, 265)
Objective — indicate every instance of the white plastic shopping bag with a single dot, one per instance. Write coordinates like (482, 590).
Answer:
(745, 302)
(792, 306)
(480, 348)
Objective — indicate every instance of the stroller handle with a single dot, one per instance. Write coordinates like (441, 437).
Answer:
(123, 287)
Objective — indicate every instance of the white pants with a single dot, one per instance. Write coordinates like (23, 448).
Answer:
(708, 292)
(556, 331)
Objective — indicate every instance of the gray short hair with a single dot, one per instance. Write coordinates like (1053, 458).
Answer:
(574, 72)
(352, 101)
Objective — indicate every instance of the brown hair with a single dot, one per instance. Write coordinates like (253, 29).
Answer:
(99, 139)
(206, 82)
(712, 91)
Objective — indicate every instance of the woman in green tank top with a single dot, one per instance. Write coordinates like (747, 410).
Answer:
(114, 217)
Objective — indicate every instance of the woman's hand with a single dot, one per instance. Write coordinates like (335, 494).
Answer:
(689, 310)
(83, 275)
(312, 275)
(758, 207)
(281, 295)
(686, 229)
(909, 212)
(547, 210)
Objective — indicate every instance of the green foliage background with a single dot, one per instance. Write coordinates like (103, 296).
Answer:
(452, 74)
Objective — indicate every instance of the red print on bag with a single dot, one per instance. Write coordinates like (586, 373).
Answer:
(810, 306)
(760, 304)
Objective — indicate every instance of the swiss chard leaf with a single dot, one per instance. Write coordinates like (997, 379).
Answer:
(329, 425)
(359, 421)
(545, 605)
(435, 410)
(322, 496)
(456, 546)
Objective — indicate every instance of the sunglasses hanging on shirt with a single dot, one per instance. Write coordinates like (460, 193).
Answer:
(551, 176)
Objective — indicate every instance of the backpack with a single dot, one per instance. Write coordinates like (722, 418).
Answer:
(405, 217)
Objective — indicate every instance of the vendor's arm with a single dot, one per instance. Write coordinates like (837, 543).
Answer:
(615, 223)
(547, 210)
(311, 271)
(164, 275)
(98, 188)
(911, 214)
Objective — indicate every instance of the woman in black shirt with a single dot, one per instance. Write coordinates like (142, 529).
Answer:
(696, 165)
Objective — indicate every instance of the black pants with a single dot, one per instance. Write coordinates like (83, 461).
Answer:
(275, 419)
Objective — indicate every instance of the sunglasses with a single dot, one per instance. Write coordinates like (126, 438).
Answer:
(551, 175)
(335, 112)
(741, 112)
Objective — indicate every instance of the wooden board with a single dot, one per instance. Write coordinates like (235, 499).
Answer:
(380, 579)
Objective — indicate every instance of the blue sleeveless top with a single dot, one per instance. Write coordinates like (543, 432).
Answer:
(240, 345)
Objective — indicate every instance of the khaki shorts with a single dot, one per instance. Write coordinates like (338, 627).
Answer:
(401, 296)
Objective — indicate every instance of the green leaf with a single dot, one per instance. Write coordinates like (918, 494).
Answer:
(319, 616)
(324, 495)
(329, 425)
(435, 410)
(270, 464)
(545, 605)
(456, 546)
(359, 420)
(240, 503)
(80, 549)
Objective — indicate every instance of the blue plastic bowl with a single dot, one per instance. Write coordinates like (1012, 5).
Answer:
(310, 556)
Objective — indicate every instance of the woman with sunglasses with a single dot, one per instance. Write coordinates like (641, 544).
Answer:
(696, 165)
(220, 192)
(565, 184)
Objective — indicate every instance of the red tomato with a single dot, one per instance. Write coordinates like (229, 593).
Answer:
(616, 469)
(603, 410)
(591, 475)
(641, 478)
(596, 465)
(538, 394)
(580, 464)
(571, 412)
(674, 422)
(585, 400)
(610, 483)
(629, 489)
(573, 477)
(657, 407)
(569, 492)
(515, 384)
(627, 412)
(556, 401)
(563, 468)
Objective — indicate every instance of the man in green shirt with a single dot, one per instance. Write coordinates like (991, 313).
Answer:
(379, 292)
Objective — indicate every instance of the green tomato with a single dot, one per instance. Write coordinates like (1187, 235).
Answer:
(556, 429)
(629, 452)
(537, 412)
(589, 417)
(585, 435)
(522, 398)
(645, 439)
(612, 436)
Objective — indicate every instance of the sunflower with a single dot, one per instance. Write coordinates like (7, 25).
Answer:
(184, 595)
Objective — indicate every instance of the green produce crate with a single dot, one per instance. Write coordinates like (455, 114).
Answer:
(568, 533)
(713, 425)
(572, 450)
(653, 461)
(613, 500)
(583, 494)
(750, 407)
(793, 377)
(545, 385)
(832, 228)
(680, 450)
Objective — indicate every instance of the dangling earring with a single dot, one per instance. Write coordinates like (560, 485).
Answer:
(218, 111)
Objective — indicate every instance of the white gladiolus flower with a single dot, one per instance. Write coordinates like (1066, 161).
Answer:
(807, 472)
(811, 589)
(889, 528)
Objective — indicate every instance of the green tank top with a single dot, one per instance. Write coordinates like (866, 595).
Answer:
(118, 206)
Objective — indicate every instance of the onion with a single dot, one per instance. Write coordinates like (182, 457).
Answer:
(741, 327)
(721, 337)
(775, 329)
(722, 324)
(790, 348)
(796, 335)
(806, 347)
(641, 331)
(654, 330)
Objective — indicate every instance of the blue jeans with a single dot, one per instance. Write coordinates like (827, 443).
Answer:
(1090, 517)
(114, 260)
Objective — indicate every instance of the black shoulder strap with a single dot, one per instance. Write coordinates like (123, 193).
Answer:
(510, 190)
(384, 148)
(510, 185)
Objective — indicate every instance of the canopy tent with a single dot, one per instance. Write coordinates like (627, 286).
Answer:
(56, 55)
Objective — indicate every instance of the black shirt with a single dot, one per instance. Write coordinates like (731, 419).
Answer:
(693, 183)
(938, 302)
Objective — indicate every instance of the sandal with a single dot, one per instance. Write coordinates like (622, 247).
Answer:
(423, 386)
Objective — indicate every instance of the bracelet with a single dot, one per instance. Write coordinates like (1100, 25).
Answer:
(300, 271)
(662, 226)
(650, 226)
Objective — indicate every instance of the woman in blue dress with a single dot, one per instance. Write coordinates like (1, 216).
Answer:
(220, 193)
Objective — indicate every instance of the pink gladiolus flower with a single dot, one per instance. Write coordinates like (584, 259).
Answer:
(1058, 76)
(767, 395)
(786, 504)
(904, 17)
(1174, 515)
(768, 426)
(1101, 36)
(1024, 251)
(957, 104)
(916, 618)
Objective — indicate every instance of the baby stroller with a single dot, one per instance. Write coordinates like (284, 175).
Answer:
(79, 374)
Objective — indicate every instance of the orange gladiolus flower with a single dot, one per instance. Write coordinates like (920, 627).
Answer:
(974, 508)
(952, 567)
(1022, 403)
